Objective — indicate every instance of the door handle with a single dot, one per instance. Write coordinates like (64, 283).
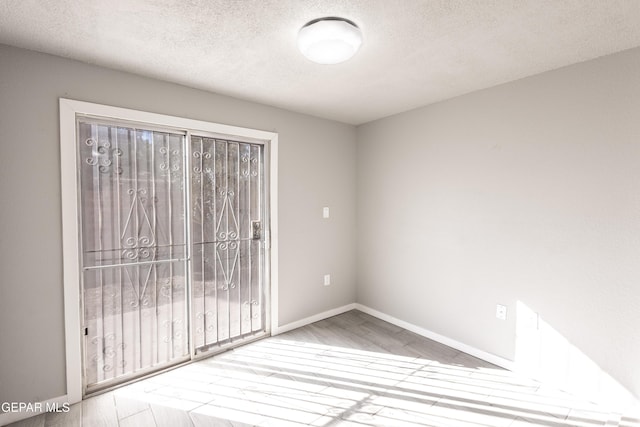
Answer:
(256, 227)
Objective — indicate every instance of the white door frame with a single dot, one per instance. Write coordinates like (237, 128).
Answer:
(69, 109)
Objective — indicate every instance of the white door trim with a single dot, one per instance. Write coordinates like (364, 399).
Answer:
(70, 228)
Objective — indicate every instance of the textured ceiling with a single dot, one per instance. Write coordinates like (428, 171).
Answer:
(415, 52)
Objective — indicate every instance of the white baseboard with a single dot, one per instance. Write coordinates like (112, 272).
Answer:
(488, 357)
(12, 417)
(628, 408)
(623, 401)
(315, 318)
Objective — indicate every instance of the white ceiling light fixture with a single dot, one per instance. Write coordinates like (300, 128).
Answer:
(329, 40)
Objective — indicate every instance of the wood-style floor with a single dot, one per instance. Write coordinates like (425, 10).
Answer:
(349, 370)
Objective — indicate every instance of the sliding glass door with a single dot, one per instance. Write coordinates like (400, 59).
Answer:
(172, 247)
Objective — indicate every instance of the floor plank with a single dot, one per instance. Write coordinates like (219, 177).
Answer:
(127, 406)
(139, 419)
(35, 421)
(73, 418)
(99, 411)
(169, 417)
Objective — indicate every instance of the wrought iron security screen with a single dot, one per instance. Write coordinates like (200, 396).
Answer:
(172, 247)
(228, 296)
(132, 184)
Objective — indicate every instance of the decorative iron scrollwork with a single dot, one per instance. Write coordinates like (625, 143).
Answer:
(138, 241)
(102, 155)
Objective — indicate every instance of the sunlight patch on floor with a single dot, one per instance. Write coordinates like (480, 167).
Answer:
(282, 382)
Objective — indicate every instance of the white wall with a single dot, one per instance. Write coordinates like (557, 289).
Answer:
(316, 159)
(530, 192)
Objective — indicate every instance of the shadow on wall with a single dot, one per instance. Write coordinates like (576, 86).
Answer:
(544, 354)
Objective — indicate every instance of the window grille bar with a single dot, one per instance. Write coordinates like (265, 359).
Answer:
(133, 264)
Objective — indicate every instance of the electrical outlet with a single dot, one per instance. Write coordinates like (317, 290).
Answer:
(327, 279)
(501, 312)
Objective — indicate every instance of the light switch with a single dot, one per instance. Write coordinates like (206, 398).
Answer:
(501, 312)
(325, 212)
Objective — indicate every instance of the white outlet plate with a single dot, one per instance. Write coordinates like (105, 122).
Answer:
(327, 279)
(325, 212)
(501, 312)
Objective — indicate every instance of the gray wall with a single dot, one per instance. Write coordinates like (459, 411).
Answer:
(524, 192)
(316, 160)
(528, 192)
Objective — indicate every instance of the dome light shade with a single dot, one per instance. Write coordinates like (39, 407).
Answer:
(329, 40)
